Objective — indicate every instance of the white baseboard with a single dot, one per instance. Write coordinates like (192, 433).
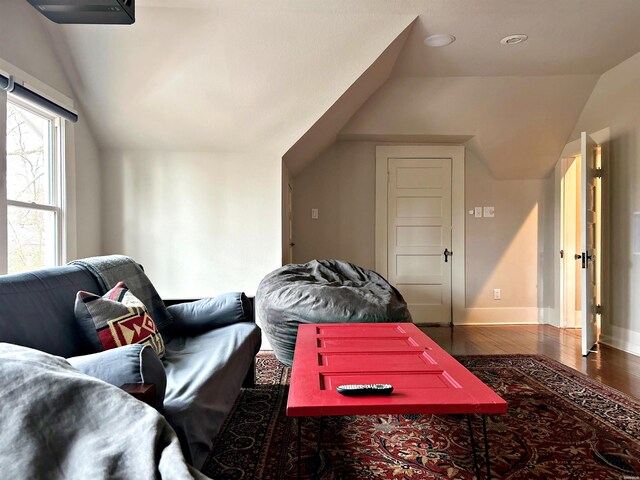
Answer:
(501, 316)
(549, 316)
(622, 339)
(577, 320)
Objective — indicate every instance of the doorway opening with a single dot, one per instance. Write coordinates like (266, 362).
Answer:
(570, 307)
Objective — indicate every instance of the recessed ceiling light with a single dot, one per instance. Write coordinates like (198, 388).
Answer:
(439, 40)
(513, 39)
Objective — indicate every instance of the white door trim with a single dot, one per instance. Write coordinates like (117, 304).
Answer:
(456, 154)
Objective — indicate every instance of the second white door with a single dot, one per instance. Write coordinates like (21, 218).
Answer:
(588, 219)
(419, 235)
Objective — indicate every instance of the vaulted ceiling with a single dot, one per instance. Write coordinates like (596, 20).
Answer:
(291, 76)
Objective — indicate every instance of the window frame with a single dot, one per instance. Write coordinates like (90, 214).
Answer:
(56, 182)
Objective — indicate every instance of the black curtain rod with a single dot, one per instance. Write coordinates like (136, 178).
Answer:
(20, 91)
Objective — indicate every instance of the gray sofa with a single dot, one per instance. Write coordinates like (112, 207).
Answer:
(197, 382)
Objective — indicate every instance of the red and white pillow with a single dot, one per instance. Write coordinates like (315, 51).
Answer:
(116, 319)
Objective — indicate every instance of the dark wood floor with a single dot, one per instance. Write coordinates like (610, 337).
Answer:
(608, 365)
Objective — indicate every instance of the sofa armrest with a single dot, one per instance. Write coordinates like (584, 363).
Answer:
(145, 392)
(195, 317)
(177, 301)
(129, 364)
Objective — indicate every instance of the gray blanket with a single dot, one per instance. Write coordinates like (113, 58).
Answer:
(111, 269)
(56, 423)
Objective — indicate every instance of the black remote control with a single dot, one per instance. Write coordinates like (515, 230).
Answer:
(360, 390)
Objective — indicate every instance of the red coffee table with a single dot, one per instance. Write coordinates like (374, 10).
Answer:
(425, 378)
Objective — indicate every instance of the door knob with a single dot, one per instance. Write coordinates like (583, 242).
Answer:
(577, 256)
(292, 244)
(447, 254)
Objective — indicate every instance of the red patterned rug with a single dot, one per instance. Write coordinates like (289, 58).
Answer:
(560, 425)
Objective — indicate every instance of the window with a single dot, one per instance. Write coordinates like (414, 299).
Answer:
(34, 188)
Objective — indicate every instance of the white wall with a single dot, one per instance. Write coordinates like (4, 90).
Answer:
(29, 47)
(501, 252)
(200, 223)
(340, 183)
(615, 103)
(88, 192)
(548, 255)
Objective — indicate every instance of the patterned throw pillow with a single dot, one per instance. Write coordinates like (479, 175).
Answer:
(116, 319)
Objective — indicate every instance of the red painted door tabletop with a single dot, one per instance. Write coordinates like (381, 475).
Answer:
(425, 378)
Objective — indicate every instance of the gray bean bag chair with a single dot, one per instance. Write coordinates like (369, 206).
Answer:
(323, 291)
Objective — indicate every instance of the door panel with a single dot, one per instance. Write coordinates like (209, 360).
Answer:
(426, 294)
(413, 236)
(419, 230)
(418, 266)
(417, 206)
(588, 220)
(419, 177)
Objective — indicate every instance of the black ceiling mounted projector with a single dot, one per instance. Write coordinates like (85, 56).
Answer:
(114, 12)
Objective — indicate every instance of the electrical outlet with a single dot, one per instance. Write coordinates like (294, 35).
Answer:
(478, 212)
(314, 213)
(497, 294)
(489, 212)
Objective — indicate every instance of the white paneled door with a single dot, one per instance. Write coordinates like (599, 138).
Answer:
(588, 231)
(419, 235)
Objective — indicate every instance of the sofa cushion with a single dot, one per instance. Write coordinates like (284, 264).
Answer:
(192, 318)
(204, 377)
(129, 364)
(117, 318)
(37, 309)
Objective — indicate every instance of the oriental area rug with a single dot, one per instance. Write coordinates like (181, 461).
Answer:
(560, 425)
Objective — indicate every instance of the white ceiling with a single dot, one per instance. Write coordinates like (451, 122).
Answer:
(258, 75)
(566, 37)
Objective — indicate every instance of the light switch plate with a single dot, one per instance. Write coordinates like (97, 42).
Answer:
(314, 213)
(489, 212)
(478, 212)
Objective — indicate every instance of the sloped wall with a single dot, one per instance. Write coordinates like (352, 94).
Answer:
(172, 95)
(615, 103)
(26, 44)
(521, 123)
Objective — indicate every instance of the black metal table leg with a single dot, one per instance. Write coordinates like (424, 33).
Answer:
(316, 473)
(476, 467)
(486, 446)
(299, 442)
